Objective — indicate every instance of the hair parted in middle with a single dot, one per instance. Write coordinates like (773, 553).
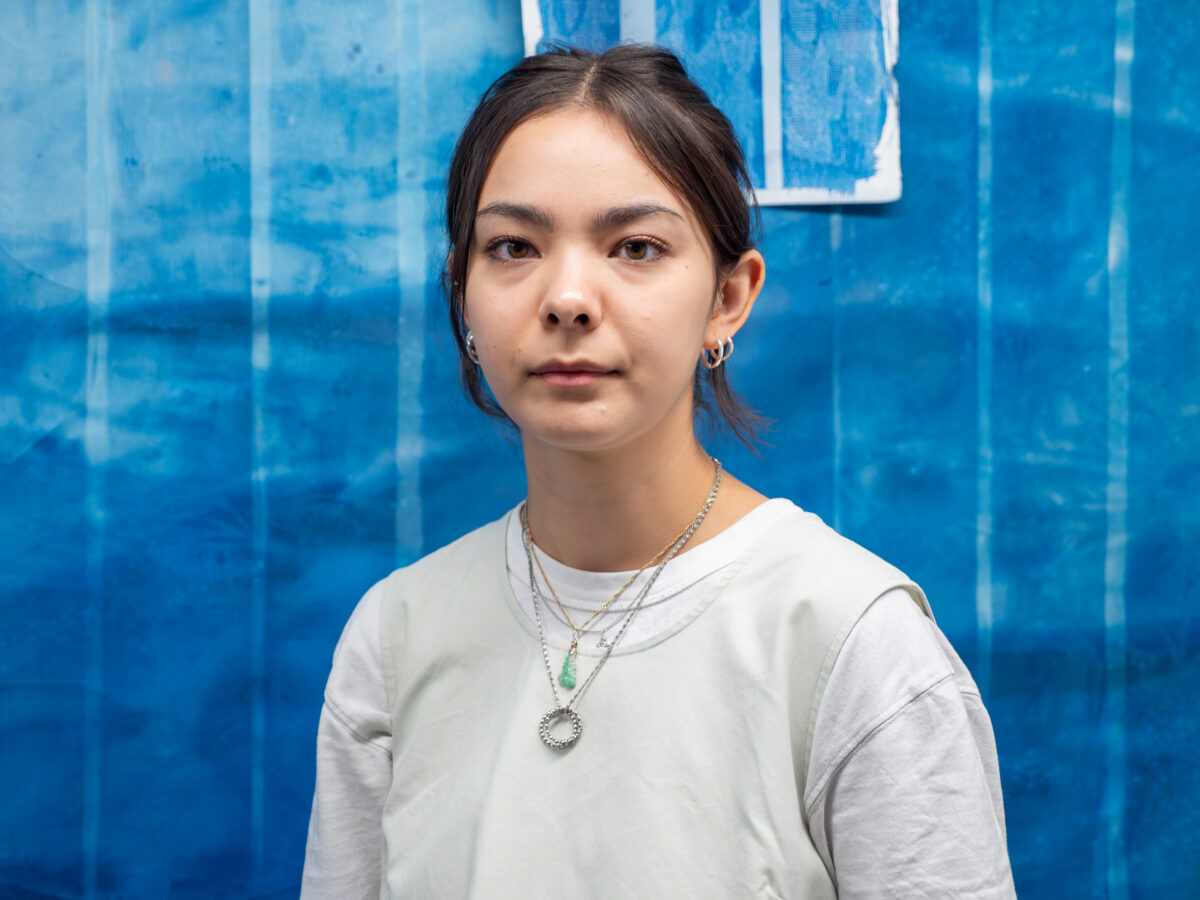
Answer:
(684, 139)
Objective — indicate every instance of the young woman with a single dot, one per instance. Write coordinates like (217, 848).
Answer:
(648, 679)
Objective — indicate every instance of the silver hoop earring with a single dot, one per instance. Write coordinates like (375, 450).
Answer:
(471, 351)
(713, 358)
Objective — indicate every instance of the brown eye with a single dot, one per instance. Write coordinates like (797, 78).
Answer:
(517, 249)
(637, 249)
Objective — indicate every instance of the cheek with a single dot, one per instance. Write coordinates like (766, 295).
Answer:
(670, 341)
(480, 296)
(479, 308)
(497, 337)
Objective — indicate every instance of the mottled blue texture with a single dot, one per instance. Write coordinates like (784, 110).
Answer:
(835, 85)
(719, 45)
(1163, 724)
(834, 77)
(1052, 157)
(865, 348)
(585, 23)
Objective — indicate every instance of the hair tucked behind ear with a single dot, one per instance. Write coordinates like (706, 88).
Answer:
(683, 137)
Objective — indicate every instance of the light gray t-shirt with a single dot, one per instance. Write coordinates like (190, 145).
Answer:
(903, 792)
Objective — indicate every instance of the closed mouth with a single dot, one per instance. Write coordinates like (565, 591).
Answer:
(578, 369)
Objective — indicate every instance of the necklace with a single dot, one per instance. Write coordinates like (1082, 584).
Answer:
(566, 677)
(567, 711)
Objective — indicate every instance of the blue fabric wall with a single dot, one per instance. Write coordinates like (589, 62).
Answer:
(228, 405)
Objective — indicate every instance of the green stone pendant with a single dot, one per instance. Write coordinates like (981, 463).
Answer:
(567, 676)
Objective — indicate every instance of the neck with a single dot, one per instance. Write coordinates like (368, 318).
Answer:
(612, 511)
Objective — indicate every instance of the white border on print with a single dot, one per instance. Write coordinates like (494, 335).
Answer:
(531, 25)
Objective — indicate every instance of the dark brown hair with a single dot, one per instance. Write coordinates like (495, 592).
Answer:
(683, 137)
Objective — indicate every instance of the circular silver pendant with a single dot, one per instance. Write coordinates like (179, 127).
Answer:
(563, 712)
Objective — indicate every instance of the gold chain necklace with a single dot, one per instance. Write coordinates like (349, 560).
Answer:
(567, 676)
(567, 711)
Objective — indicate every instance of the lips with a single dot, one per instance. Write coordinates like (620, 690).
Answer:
(556, 366)
(571, 372)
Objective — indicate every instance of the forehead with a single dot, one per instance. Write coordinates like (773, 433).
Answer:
(573, 157)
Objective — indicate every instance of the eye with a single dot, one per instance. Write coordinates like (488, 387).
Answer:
(509, 249)
(641, 249)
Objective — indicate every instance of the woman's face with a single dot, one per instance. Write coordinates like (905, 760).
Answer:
(589, 288)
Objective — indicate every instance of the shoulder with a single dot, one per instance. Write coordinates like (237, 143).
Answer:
(360, 637)
(817, 563)
(800, 538)
(891, 657)
(895, 671)
(452, 562)
(363, 651)
(901, 737)
(354, 692)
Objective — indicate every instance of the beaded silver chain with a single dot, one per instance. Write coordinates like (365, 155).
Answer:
(566, 710)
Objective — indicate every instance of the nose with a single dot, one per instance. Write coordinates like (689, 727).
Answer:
(571, 297)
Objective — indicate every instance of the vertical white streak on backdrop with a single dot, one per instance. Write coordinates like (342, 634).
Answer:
(772, 91)
(531, 25)
(835, 248)
(97, 442)
(637, 21)
(888, 151)
(1118, 456)
(412, 265)
(261, 37)
(984, 599)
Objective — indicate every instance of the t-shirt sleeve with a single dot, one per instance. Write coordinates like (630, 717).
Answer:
(344, 856)
(903, 797)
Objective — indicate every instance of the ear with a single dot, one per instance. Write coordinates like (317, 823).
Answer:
(735, 297)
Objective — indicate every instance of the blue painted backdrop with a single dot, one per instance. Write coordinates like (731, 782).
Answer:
(228, 405)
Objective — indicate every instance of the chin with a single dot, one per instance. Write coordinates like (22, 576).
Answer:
(599, 426)
(576, 440)
(575, 433)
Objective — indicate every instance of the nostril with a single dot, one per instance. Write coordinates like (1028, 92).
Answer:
(553, 319)
(582, 318)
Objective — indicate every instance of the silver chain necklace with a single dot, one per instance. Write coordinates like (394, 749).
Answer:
(567, 711)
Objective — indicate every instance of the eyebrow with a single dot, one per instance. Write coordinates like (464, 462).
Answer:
(601, 222)
(623, 215)
(532, 215)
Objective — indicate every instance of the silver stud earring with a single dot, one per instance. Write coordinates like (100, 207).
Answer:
(471, 351)
(713, 358)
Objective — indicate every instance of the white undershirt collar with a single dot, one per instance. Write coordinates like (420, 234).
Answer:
(685, 582)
